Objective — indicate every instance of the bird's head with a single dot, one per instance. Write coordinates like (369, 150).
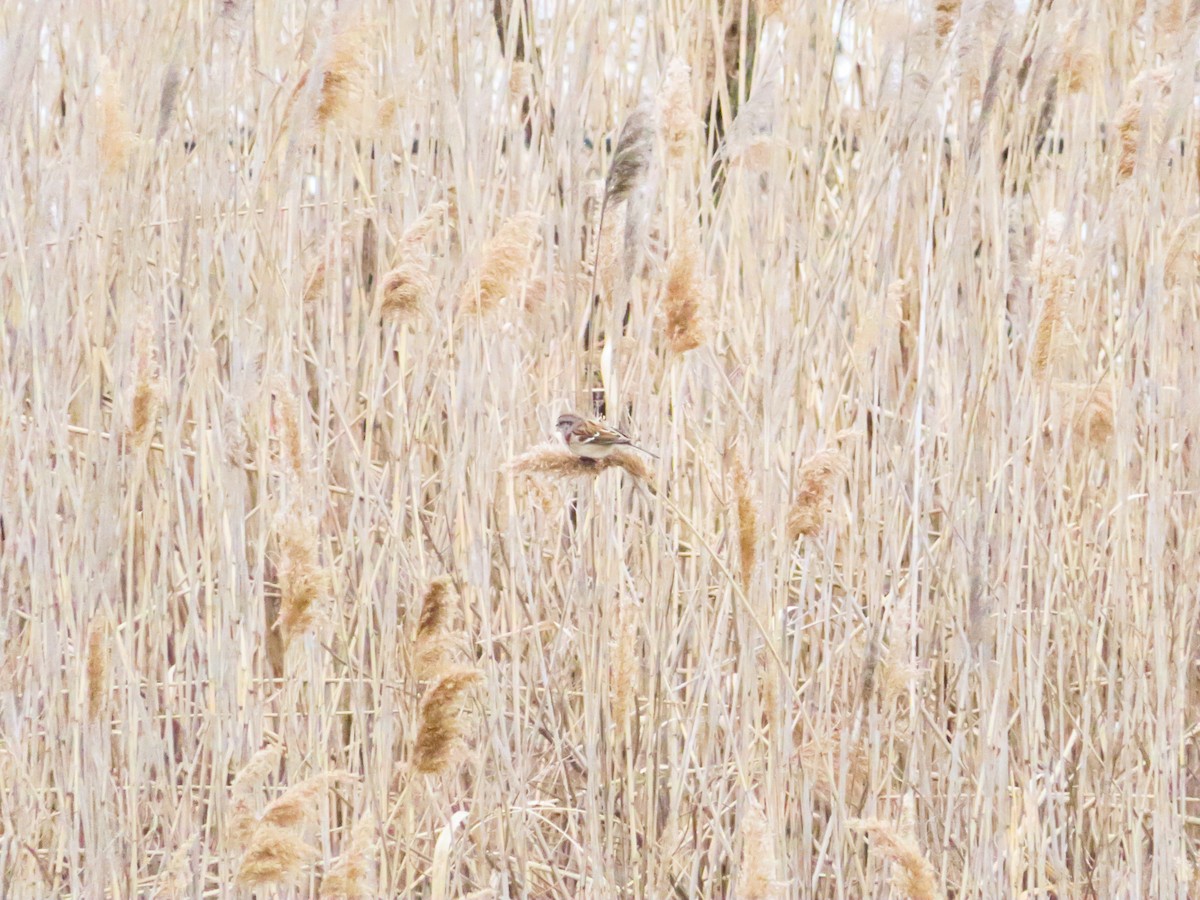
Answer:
(566, 422)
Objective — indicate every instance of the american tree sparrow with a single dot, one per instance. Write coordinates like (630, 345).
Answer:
(589, 439)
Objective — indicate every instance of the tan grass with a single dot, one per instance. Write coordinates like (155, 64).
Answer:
(958, 242)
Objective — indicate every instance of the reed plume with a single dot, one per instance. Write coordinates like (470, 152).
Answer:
(117, 138)
(1055, 288)
(303, 583)
(506, 258)
(631, 161)
(751, 142)
(297, 806)
(627, 174)
(945, 16)
(147, 389)
(432, 651)
(816, 479)
(747, 516)
(558, 462)
(175, 880)
(351, 876)
(757, 878)
(440, 736)
(684, 299)
(341, 73)
(913, 876)
(624, 665)
(314, 283)
(678, 116)
(275, 856)
(166, 101)
(1182, 262)
(898, 666)
(176, 877)
(1080, 62)
(609, 260)
(876, 323)
(415, 235)
(520, 81)
(244, 793)
(1138, 111)
(291, 442)
(98, 655)
(404, 289)
(1090, 410)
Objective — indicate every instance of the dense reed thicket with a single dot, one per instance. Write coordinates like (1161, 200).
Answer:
(301, 596)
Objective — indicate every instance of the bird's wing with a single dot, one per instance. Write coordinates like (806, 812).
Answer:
(595, 433)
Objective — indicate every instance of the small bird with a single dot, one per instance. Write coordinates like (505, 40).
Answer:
(589, 439)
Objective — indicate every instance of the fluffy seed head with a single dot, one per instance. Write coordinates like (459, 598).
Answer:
(757, 878)
(116, 139)
(684, 299)
(506, 258)
(303, 583)
(342, 74)
(404, 289)
(624, 666)
(176, 876)
(913, 876)
(677, 114)
(816, 480)
(432, 650)
(1055, 288)
(98, 647)
(635, 150)
(440, 737)
(244, 793)
(297, 806)
(1140, 108)
(557, 461)
(350, 877)
(747, 514)
(147, 389)
(275, 856)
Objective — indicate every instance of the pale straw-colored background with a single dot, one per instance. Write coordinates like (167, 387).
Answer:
(292, 297)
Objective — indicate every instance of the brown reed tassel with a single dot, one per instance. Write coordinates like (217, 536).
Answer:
(440, 737)
(816, 479)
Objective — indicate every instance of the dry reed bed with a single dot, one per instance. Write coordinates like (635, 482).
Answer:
(295, 599)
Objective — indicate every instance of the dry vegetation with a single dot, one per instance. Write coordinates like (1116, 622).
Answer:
(298, 600)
